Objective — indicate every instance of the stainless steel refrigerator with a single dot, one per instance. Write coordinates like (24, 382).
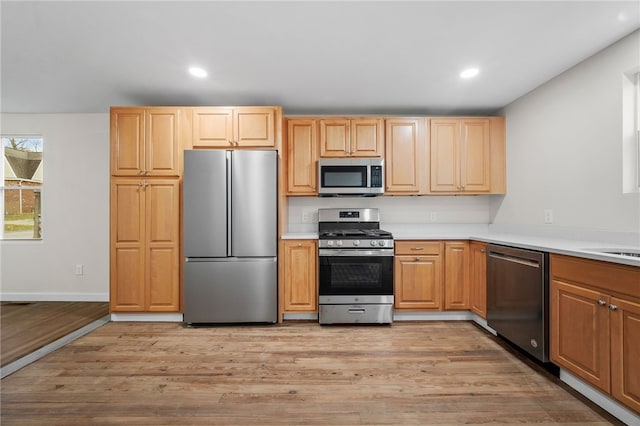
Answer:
(230, 237)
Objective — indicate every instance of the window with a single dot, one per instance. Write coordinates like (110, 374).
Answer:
(21, 190)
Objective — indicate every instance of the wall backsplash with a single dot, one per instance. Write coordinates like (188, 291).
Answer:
(303, 211)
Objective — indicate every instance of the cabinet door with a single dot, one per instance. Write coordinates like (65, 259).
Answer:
(444, 155)
(335, 137)
(126, 134)
(300, 276)
(254, 127)
(127, 271)
(162, 142)
(403, 156)
(213, 128)
(367, 137)
(302, 157)
(579, 320)
(456, 275)
(478, 278)
(625, 352)
(475, 155)
(162, 207)
(418, 282)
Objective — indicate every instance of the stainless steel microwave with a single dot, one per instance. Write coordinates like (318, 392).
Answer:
(350, 176)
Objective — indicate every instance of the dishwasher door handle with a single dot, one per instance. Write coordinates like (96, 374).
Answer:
(514, 259)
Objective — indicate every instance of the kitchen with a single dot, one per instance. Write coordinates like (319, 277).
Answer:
(554, 119)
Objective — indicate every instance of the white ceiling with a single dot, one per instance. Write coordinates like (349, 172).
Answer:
(356, 57)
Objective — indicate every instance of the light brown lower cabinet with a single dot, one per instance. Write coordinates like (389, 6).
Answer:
(431, 275)
(595, 324)
(300, 275)
(456, 275)
(418, 275)
(145, 245)
(478, 278)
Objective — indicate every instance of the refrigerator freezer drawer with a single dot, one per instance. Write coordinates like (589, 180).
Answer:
(231, 291)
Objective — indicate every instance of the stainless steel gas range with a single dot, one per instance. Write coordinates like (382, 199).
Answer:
(356, 267)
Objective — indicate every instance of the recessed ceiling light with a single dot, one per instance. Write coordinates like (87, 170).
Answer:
(197, 72)
(469, 72)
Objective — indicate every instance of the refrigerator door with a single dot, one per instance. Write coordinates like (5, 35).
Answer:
(205, 203)
(231, 291)
(254, 197)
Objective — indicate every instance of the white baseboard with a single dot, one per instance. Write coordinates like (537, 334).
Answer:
(300, 316)
(54, 297)
(433, 316)
(608, 404)
(483, 323)
(146, 317)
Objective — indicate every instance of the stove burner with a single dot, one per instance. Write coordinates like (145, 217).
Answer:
(355, 233)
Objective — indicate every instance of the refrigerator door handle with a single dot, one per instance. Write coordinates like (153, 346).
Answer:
(229, 206)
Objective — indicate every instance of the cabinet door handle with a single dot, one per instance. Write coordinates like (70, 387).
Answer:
(299, 244)
(417, 259)
(602, 302)
(483, 251)
(230, 141)
(613, 307)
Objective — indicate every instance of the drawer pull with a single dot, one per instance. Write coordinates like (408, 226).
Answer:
(417, 248)
(613, 307)
(356, 311)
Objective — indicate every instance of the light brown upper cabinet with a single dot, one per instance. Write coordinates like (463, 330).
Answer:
(405, 146)
(351, 137)
(467, 155)
(302, 156)
(145, 141)
(235, 127)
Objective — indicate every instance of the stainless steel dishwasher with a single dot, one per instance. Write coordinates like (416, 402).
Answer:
(518, 297)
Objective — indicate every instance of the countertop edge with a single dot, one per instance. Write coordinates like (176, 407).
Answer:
(582, 249)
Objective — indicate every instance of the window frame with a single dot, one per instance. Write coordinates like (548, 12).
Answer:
(37, 187)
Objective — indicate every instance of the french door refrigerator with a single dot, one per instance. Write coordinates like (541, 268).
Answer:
(230, 236)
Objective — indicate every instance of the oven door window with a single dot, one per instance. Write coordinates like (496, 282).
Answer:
(343, 176)
(357, 275)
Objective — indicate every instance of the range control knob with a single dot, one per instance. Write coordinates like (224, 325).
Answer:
(339, 243)
(381, 243)
(373, 243)
(356, 242)
(330, 242)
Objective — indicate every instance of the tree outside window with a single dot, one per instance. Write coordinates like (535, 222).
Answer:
(21, 191)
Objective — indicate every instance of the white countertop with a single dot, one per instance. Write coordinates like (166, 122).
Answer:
(586, 248)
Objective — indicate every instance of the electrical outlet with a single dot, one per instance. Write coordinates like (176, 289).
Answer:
(79, 269)
(433, 216)
(307, 216)
(548, 216)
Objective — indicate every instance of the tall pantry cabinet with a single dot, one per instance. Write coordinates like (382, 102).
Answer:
(146, 163)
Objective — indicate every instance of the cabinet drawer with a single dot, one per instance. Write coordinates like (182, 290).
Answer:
(417, 247)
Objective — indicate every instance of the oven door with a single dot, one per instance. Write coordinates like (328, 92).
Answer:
(355, 273)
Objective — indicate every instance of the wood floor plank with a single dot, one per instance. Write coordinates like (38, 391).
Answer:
(28, 326)
(293, 373)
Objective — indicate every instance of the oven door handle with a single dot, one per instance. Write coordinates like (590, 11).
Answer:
(349, 252)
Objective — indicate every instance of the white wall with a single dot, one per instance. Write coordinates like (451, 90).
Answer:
(396, 210)
(564, 149)
(75, 212)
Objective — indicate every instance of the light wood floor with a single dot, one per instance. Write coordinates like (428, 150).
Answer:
(28, 326)
(295, 373)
